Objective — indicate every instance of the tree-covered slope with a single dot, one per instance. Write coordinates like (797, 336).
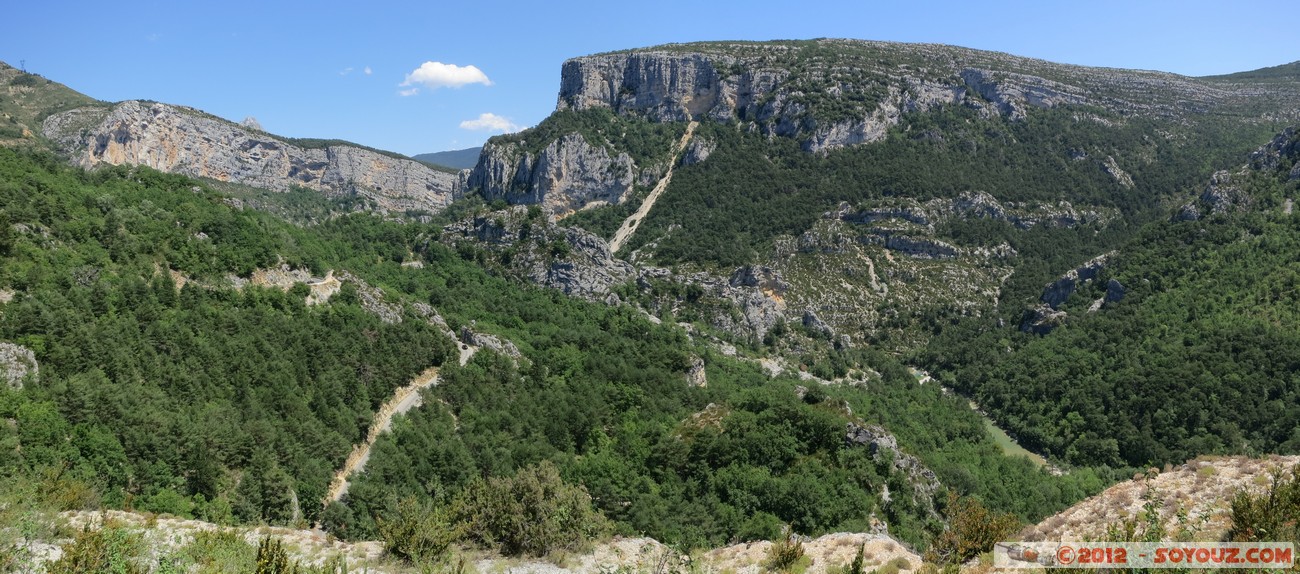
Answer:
(236, 404)
(1200, 356)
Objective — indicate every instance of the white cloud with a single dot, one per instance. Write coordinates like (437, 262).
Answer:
(491, 122)
(345, 71)
(437, 75)
(367, 71)
(410, 92)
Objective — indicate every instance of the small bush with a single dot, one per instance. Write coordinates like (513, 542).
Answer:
(785, 553)
(533, 512)
(107, 549)
(760, 526)
(217, 551)
(1270, 517)
(857, 566)
(972, 530)
(417, 532)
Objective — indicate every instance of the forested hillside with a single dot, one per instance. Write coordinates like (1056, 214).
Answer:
(236, 404)
(1200, 356)
(836, 213)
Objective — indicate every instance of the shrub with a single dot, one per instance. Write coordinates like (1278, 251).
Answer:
(972, 529)
(1271, 516)
(533, 512)
(785, 553)
(107, 549)
(418, 532)
(220, 551)
(760, 526)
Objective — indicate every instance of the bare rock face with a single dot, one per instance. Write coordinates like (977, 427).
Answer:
(182, 140)
(670, 86)
(1222, 195)
(568, 174)
(17, 363)
(501, 346)
(698, 150)
(767, 85)
(1043, 318)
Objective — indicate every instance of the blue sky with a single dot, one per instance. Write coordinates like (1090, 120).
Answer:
(335, 69)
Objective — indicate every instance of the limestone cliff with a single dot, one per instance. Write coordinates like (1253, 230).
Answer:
(182, 140)
(566, 175)
(825, 94)
(835, 93)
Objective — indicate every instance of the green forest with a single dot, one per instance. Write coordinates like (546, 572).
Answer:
(237, 405)
(1201, 356)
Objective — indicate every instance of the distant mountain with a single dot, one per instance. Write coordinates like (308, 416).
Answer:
(178, 139)
(455, 159)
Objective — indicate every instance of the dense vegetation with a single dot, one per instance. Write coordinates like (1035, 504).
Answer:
(735, 460)
(1200, 357)
(753, 189)
(162, 397)
(230, 404)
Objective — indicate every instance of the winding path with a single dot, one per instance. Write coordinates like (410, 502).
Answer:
(630, 224)
(404, 399)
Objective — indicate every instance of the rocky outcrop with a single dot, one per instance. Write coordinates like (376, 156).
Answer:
(1056, 292)
(17, 364)
(1115, 291)
(699, 150)
(569, 259)
(695, 375)
(921, 247)
(880, 443)
(973, 205)
(532, 248)
(749, 311)
(1014, 93)
(1282, 151)
(1115, 172)
(500, 346)
(762, 277)
(566, 175)
(1043, 318)
(373, 300)
(683, 86)
(182, 140)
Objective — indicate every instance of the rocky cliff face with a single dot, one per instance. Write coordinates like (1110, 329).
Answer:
(182, 140)
(567, 175)
(837, 93)
(682, 86)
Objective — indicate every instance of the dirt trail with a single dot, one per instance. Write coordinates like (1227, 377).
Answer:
(630, 224)
(404, 399)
